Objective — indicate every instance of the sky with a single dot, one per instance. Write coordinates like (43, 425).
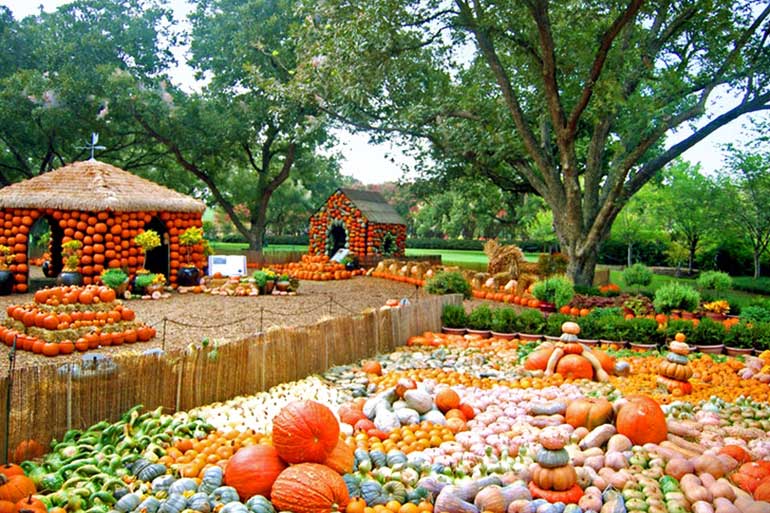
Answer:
(372, 163)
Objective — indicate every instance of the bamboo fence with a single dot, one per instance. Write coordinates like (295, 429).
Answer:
(49, 399)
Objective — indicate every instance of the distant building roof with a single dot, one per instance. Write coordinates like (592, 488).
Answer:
(373, 206)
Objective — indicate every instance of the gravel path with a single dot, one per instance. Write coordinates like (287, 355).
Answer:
(234, 317)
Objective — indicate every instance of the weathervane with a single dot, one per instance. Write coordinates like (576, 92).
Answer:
(93, 146)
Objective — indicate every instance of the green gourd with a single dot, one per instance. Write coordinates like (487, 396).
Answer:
(151, 471)
(224, 495)
(552, 459)
(173, 504)
(185, 484)
(396, 457)
(394, 491)
(128, 502)
(378, 458)
(150, 505)
(371, 492)
(199, 502)
(353, 483)
(212, 479)
(259, 504)
(234, 507)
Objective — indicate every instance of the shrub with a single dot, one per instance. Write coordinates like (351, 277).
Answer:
(680, 326)
(644, 331)
(709, 333)
(591, 325)
(674, 296)
(448, 283)
(113, 278)
(715, 280)
(637, 275)
(530, 321)
(585, 290)
(549, 264)
(557, 290)
(614, 328)
(761, 334)
(740, 335)
(480, 318)
(755, 313)
(453, 316)
(553, 324)
(504, 320)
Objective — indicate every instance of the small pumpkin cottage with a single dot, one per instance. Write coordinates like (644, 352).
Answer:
(361, 221)
(104, 207)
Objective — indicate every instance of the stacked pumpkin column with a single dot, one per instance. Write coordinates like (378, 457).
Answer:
(14, 233)
(675, 371)
(554, 478)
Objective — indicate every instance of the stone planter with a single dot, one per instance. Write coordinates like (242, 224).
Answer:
(188, 276)
(6, 283)
(452, 331)
(712, 349)
(738, 351)
(504, 336)
(481, 333)
(69, 278)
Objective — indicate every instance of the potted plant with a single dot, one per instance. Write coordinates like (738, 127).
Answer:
(739, 339)
(553, 293)
(69, 275)
(188, 274)
(446, 282)
(480, 321)
(147, 241)
(717, 310)
(270, 277)
(6, 276)
(260, 280)
(149, 284)
(643, 334)
(207, 252)
(116, 279)
(529, 325)
(673, 296)
(553, 326)
(709, 336)
(613, 331)
(350, 262)
(453, 319)
(504, 323)
(283, 284)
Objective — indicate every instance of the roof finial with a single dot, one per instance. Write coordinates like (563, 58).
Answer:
(93, 146)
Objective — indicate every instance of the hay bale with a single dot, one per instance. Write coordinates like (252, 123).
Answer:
(503, 258)
(523, 283)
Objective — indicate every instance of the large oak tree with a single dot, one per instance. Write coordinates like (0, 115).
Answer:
(572, 99)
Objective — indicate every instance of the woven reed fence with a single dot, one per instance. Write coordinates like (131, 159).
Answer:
(49, 399)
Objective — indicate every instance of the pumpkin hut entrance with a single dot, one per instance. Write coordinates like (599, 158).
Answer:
(45, 239)
(157, 260)
(339, 238)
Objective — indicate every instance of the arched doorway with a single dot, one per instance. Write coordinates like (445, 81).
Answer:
(45, 252)
(388, 244)
(157, 260)
(338, 238)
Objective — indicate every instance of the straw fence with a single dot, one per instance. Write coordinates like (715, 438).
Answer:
(49, 399)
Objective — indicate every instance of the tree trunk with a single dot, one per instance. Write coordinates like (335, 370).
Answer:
(629, 254)
(259, 222)
(581, 268)
(691, 259)
(757, 255)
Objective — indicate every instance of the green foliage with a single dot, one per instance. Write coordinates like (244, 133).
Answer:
(71, 254)
(260, 278)
(557, 290)
(147, 240)
(144, 280)
(504, 320)
(454, 316)
(761, 333)
(480, 318)
(715, 280)
(446, 282)
(553, 324)
(530, 321)
(675, 296)
(740, 335)
(755, 313)
(637, 275)
(191, 236)
(680, 326)
(644, 331)
(549, 264)
(708, 333)
(114, 278)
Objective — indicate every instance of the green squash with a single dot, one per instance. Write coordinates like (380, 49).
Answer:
(212, 479)
(173, 504)
(150, 505)
(224, 495)
(162, 483)
(151, 471)
(396, 457)
(128, 502)
(552, 459)
(185, 484)
(378, 458)
(234, 507)
(372, 493)
(394, 491)
(353, 483)
(259, 504)
(199, 502)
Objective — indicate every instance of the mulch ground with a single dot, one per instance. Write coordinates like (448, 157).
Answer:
(192, 317)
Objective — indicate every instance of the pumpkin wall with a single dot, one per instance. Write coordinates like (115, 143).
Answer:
(107, 239)
(362, 237)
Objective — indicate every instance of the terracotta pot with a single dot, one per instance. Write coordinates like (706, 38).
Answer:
(452, 331)
(282, 286)
(716, 316)
(613, 344)
(642, 347)
(713, 349)
(481, 333)
(688, 316)
(552, 339)
(269, 284)
(504, 336)
(530, 337)
(589, 343)
(738, 351)
(546, 308)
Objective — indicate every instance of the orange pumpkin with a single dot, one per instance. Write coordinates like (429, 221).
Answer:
(736, 452)
(15, 488)
(573, 366)
(589, 412)
(538, 360)
(372, 367)
(341, 458)
(7, 507)
(253, 470)
(305, 431)
(607, 362)
(447, 399)
(642, 421)
(27, 450)
(309, 488)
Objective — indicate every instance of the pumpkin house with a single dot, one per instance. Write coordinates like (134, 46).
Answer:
(360, 221)
(103, 207)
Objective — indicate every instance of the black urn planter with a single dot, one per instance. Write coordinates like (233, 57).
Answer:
(351, 266)
(6, 283)
(188, 276)
(48, 271)
(69, 278)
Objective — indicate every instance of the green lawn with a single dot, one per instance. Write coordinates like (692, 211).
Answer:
(232, 247)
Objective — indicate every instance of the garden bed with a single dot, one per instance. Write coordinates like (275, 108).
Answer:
(235, 317)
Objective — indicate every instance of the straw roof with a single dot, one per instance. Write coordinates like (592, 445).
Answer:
(95, 186)
(373, 206)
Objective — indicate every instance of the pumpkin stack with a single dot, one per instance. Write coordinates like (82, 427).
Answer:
(675, 370)
(63, 319)
(554, 478)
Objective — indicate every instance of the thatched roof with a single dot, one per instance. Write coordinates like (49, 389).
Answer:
(94, 186)
(374, 206)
